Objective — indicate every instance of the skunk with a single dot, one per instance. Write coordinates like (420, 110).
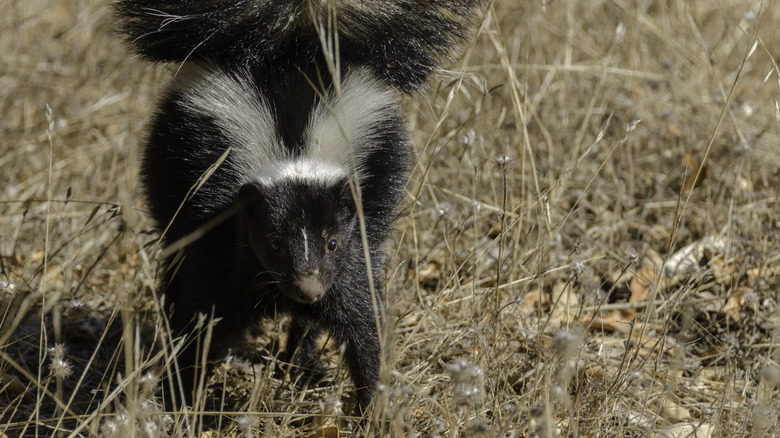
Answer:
(280, 131)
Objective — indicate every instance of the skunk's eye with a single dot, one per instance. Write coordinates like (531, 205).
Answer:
(275, 243)
(332, 245)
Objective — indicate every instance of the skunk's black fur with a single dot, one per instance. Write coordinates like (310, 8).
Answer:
(264, 157)
(401, 40)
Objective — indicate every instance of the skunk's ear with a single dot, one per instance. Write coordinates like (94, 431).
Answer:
(348, 198)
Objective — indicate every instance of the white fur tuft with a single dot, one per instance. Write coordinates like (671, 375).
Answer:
(344, 129)
(339, 135)
(239, 111)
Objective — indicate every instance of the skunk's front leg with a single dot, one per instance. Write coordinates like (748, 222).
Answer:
(350, 316)
(362, 355)
(301, 349)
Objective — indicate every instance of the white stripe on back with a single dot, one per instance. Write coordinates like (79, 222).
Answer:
(339, 134)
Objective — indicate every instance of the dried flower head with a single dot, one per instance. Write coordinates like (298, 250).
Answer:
(470, 139)
(477, 428)
(59, 366)
(116, 427)
(57, 351)
(247, 425)
(578, 268)
(503, 163)
(149, 382)
(7, 286)
(109, 429)
(151, 429)
(77, 309)
(567, 343)
(559, 395)
(468, 379)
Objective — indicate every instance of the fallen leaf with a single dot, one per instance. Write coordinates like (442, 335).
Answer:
(651, 259)
(594, 371)
(739, 300)
(763, 273)
(694, 172)
(673, 412)
(429, 275)
(721, 269)
(532, 300)
(688, 257)
(640, 284)
(565, 304)
(676, 131)
(643, 282)
(12, 384)
(713, 374)
(686, 430)
(327, 432)
(615, 321)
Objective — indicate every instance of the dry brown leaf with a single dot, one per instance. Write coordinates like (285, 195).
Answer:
(12, 384)
(640, 289)
(738, 301)
(672, 412)
(686, 430)
(675, 130)
(532, 300)
(651, 259)
(615, 321)
(21, 259)
(721, 269)
(681, 263)
(327, 432)
(694, 172)
(18, 259)
(37, 257)
(640, 284)
(732, 307)
(430, 274)
(713, 373)
(619, 276)
(763, 273)
(594, 371)
(565, 304)
(658, 232)
(643, 282)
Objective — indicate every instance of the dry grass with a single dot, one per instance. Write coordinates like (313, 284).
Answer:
(540, 283)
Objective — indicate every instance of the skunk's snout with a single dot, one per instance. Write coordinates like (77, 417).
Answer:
(310, 289)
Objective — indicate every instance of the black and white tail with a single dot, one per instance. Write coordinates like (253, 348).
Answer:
(402, 41)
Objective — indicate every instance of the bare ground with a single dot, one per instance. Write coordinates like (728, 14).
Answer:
(590, 245)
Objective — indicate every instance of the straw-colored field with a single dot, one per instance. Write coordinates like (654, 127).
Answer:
(590, 244)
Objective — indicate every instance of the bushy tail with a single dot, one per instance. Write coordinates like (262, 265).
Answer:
(401, 40)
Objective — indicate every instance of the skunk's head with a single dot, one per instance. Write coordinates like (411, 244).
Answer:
(301, 232)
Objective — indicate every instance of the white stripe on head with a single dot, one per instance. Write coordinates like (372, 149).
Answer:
(300, 169)
(342, 129)
(305, 244)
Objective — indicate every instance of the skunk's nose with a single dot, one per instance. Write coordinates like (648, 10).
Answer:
(310, 289)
